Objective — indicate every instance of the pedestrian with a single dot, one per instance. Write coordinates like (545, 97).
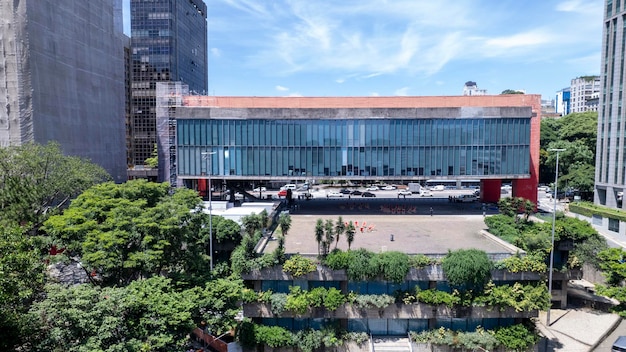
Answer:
(431, 211)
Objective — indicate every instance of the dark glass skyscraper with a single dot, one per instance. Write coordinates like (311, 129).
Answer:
(169, 43)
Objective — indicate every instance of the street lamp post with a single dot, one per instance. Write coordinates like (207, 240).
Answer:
(207, 156)
(556, 185)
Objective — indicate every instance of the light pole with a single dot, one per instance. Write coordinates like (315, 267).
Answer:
(207, 156)
(556, 186)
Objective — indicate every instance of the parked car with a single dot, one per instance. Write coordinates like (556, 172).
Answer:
(344, 191)
(333, 194)
(368, 195)
(282, 193)
(404, 192)
(260, 189)
(438, 188)
(389, 188)
(426, 193)
(466, 198)
(290, 186)
(356, 192)
(372, 188)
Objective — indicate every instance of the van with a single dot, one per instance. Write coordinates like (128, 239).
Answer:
(290, 186)
(619, 345)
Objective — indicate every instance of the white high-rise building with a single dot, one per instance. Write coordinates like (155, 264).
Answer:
(582, 92)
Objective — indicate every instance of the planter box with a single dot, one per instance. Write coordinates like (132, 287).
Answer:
(429, 273)
(347, 347)
(393, 311)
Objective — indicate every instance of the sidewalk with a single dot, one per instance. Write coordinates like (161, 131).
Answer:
(575, 330)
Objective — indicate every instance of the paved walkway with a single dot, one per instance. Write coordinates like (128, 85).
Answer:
(575, 330)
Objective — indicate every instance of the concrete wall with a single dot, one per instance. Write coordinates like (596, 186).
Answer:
(64, 73)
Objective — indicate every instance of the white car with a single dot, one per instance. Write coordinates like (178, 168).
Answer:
(425, 193)
(389, 188)
(438, 188)
(372, 188)
(333, 194)
(404, 192)
(260, 189)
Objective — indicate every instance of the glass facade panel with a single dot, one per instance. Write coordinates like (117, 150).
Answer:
(357, 147)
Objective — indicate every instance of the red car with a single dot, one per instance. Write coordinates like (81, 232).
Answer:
(282, 193)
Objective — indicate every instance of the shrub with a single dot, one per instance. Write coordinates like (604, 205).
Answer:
(297, 265)
(519, 297)
(436, 297)
(377, 301)
(361, 266)
(333, 299)
(394, 266)
(517, 337)
(278, 302)
(338, 260)
(309, 340)
(273, 336)
(532, 262)
(297, 300)
(419, 261)
(467, 268)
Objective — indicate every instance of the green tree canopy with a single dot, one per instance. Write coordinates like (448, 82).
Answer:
(147, 315)
(576, 133)
(137, 229)
(36, 181)
(21, 282)
(468, 269)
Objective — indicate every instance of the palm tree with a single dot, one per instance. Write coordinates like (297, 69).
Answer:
(340, 228)
(265, 219)
(350, 231)
(251, 223)
(329, 232)
(284, 221)
(528, 207)
(319, 235)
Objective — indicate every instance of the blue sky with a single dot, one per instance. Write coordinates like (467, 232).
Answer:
(400, 47)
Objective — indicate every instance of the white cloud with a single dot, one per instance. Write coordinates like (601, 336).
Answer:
(216, 52)
(403, 38)
(281, 88)
(294, 95)
(374, 94)
(580, 6)
(404, 91)
(530, 38)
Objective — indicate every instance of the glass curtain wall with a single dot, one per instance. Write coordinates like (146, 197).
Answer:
(357, 147)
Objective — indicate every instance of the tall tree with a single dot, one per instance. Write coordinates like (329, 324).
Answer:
(576, 133)
(36, 181)
(284, 221)
(340, 228)
(350, 231)
(134, 230)
(319, 235)
(22, 274)
(329, 235)
(147, 315)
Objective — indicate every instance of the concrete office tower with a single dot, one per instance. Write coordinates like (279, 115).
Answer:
(169, 43)
(610, 175)
(62, 78)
